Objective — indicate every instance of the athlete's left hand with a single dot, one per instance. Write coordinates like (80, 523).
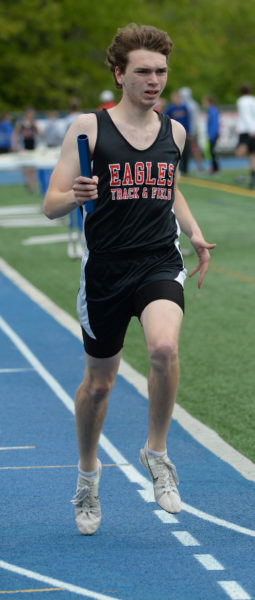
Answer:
(202, 249)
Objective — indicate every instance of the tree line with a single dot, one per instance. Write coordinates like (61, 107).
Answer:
(51, 50)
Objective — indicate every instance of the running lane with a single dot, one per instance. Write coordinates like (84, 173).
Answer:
(139, 553)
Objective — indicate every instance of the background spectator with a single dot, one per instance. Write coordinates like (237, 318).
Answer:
(6, 131)
(246, 128)
(107, 100)
(25, 137)
(194, 114)
(177, 110)
(213, 130)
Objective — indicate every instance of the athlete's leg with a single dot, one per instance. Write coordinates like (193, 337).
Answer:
(161, 321)
(91, 406)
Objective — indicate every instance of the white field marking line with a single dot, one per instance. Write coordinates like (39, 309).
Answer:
(148, 496)
(16, 447)
(46, 239)
(40, 221)
(15, 370)
(185, 538)
(25, 209)
(129, 470)
(200, 432)
(54, 582)
(234, 590)
(165, 517)
(209, 562)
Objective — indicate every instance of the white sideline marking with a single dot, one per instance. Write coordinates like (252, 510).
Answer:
(16, 447)
(185, 538)
(203, 434)
(234, 590)
(129, 470)
(209, 562)
(25, 209)
(165, 517)
(54, 582)
(46, 239)
(40, 221)
(212, 519)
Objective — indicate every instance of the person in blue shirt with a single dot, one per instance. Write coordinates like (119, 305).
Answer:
(178, 110)
(213, 130)
(6, 131)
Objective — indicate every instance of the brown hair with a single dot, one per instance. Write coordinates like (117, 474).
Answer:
(135, 37)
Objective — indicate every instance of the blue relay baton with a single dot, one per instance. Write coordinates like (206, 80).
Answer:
(85, 165)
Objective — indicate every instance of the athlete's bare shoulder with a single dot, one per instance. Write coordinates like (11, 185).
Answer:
(179, 134)
(85, 123)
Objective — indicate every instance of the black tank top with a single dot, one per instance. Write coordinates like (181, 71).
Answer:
(135, 191)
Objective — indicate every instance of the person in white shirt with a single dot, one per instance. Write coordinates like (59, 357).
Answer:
(246, 128)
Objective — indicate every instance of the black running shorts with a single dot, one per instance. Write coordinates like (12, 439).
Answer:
(110, 294)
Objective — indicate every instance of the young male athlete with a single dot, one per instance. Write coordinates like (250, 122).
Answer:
(133, 263)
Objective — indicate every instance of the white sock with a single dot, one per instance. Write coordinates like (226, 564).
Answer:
(153, 452)
(87, 474)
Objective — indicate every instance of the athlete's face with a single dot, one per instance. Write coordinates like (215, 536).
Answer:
(144, 78)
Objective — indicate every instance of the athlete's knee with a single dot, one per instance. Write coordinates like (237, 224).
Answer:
(163, 353)
(96, 389)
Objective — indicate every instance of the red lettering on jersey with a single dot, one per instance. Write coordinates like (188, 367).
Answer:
(114, 170)
(127, 178)
(133, 193)
(162, 167)
(170, 174)
(149, 180)
(139, 173)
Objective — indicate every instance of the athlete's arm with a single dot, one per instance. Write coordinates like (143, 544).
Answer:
(67, 188)
(190, 227)
(186, 220)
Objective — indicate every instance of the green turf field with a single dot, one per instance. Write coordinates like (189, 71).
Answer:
(217, 340)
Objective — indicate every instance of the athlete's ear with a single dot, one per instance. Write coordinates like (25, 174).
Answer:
(118, 76)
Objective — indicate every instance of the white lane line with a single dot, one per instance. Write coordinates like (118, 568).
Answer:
(26, 209)
(15, 370)
(209, 562)
(234, 590)
(37, 365)
(16, 447)
(221, 522)
(185, 538)
(129, 470)
(46, 239)
(54, 582)
(165, 517)
(203, 434)
(40, 221)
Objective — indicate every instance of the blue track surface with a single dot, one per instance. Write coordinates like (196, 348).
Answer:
(134, 555)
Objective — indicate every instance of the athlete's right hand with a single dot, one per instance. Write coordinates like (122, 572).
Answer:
(85, 189)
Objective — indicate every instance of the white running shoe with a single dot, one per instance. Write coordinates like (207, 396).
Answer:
(164, 479)
(86, 501)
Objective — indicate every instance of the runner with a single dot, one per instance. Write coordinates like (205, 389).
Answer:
(132, 264)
